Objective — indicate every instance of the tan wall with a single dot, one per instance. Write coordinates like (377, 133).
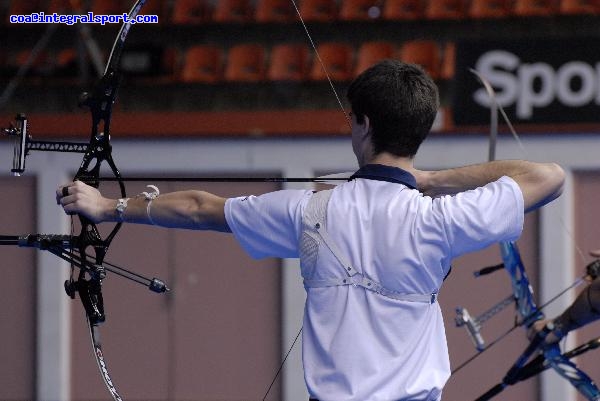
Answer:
(18, 293)
(587, 237)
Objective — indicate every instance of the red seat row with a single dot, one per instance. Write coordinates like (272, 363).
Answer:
(250, 62)
(295, 62)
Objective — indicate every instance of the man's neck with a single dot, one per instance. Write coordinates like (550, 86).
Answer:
(388, 159)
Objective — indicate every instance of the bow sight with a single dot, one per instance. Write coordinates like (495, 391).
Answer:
(60, 245)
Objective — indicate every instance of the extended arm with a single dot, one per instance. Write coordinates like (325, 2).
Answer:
(197, 210)
(540, 183)
(585, 310)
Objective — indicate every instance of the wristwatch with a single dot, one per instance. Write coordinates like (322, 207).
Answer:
(120, 208)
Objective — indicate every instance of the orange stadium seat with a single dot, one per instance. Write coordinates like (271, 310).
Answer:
(426, 53)
(151, 7)
(169, 64)
(360, 10)
(288, 62)
(245, 63)
(118, 7)
(191, 12)
(337, 60)
(490, 8)
(579, 7)
(274, 11)
(370, 53)
(42, 65)
(203, 63)
(535, 8)
(20, 7)
(233, 11)
(66, 62)
(403, 9)
(448, 61)
(63, 6)
(108, 7)
(318, 10)
(446, 9)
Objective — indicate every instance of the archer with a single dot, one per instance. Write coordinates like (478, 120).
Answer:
(373, 251)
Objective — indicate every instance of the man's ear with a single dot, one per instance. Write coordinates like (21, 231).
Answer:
(366, 124)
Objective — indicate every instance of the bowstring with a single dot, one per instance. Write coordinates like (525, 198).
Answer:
(329, 80)
(348, 121)
(282, 363)
(561, 220)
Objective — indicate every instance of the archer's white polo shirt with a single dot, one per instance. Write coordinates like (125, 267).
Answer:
(357, 344)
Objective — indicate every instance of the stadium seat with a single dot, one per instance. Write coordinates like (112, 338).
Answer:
(238, 11)
(42, 65)
(370, 53)
(62, 7)
(360, 10)
(245, 63)
(490, 8)
(318, 10)
(66, 63)
(20, 7)
(191, 12)
(337, 59)
(274, 11)
(118, 7)
(535, 8)
(403, 9)
(107, 7)
(426, 53)
(446, 9)
(288, 62)
(448, 62)
(203, 63)
(579, 7)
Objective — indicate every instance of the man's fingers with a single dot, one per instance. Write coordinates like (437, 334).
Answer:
(595, 253)
(69, 209)
(61, 192)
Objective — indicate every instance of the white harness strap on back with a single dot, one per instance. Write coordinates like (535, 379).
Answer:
(314, 234)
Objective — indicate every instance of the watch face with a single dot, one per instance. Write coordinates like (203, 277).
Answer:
(121, 205)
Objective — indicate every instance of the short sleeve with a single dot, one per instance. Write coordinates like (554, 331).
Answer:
(268, 225)
(477, 218)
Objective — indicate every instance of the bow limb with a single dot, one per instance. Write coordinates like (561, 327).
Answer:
(526, 308)
(99, 151)
(568, 370)
(525, 305)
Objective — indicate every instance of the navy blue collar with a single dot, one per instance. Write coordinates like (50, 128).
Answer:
(381, 172)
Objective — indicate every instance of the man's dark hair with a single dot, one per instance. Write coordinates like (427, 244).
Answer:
(401, 101)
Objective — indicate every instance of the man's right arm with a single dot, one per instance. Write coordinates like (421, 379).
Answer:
(540, 183)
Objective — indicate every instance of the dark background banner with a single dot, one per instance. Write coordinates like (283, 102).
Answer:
(537, 81)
